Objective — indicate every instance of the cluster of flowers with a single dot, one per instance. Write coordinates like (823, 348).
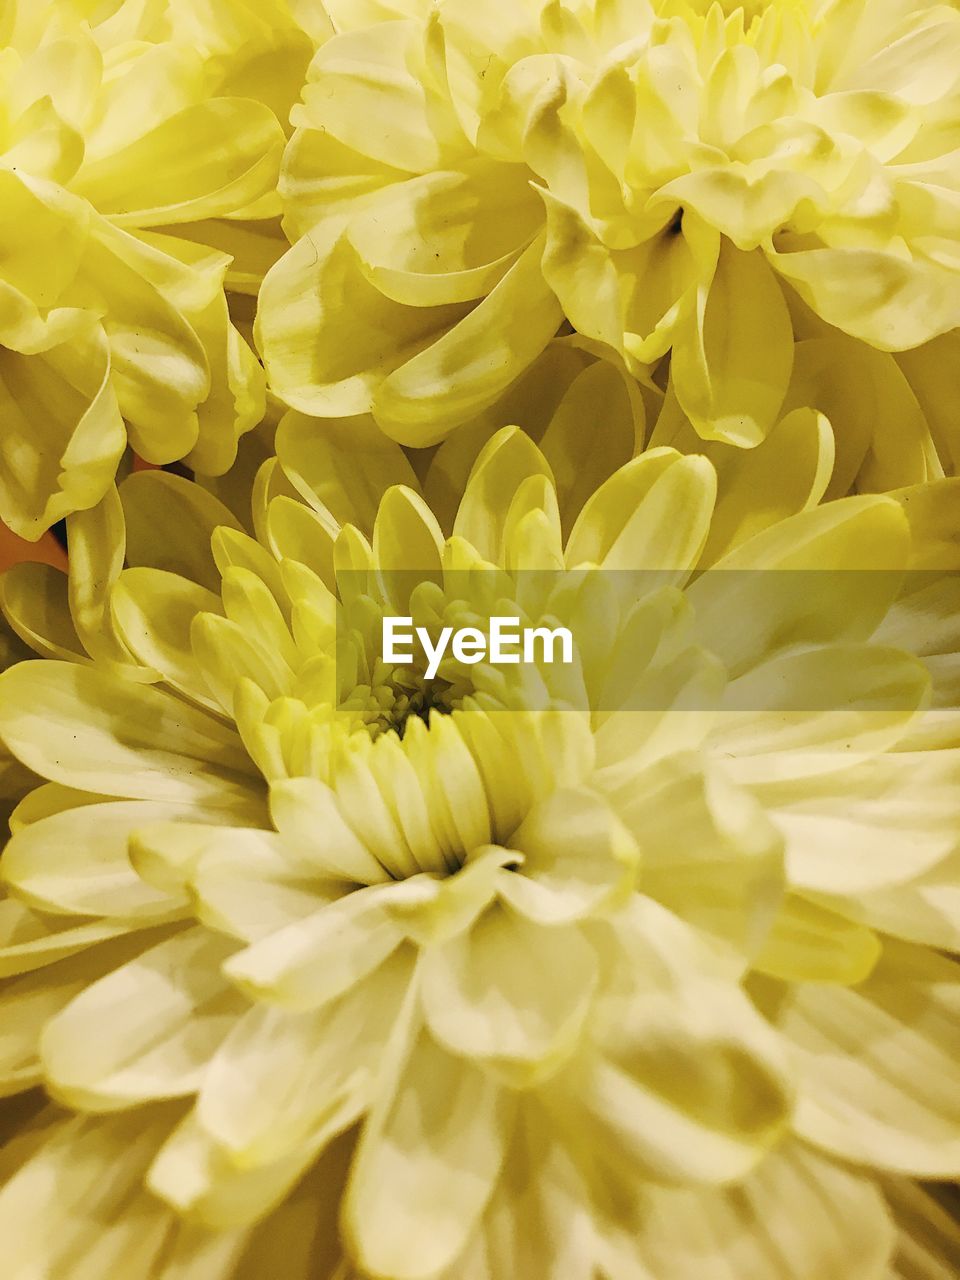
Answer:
(314, 965)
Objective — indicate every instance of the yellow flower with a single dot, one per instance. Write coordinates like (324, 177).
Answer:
(127, 132)
(670, 177)
(439, 979)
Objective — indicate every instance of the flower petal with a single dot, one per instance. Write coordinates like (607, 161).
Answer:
(193, 1175)
(426, 1165)
(63, 434)
(824, 575)
(94, 732)
(321, 328)
(449, 236)
(170, 523)
(310, 962)
(145, 1031)
(708, 851)
(757, 488)
(153, 611)
(505, 462)
(731, 367)
(420, 401)
(155, 180)
(798, 1216)
(284, 1079)
(890, 302)
(342, 467)
(652, 514)
(578, 858)
(877, 1064)
(75, 861)
(687, 1081)
(510, 993)
(302, 807)
(87, 1172)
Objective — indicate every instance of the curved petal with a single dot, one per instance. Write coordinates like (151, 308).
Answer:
(342, 467)
(797, 1217)
(881, 433)
(63, 435)
(732, 361)
(877, 1064)
(233, 157)
(159, 369)
(757, 488)
(153, 611)
(371, 88)
(302, 807)
(507, 460)
(848, 557)
(314, 960)
(578, 858)
(708, 851)
(237, 400)
(35, 604)
(75, 861)
(653, 514)
(147, 1030)
(91, 731)
(509, 993)
(28, 1003)
(464, 371)
(170, 523)
(29, 941)
(97, 542)
(447, 237)
(328, 336)
(889, 302)
(808, 943)
(597, 427)
(282, 1079)
(102, 1217)
(687, 1082)
(426, 1165)
(197, 1178)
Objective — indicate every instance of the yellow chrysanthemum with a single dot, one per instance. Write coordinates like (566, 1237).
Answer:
(670, 177)
(357, 969)
(127, 131)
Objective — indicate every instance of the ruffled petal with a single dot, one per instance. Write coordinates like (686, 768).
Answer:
(419, 402)
(63, 435)
(154, 181)
(321, 328)
(893, 303)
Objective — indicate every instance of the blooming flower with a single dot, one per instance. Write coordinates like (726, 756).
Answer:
(439, 980)
(125, 138)
(669, 177)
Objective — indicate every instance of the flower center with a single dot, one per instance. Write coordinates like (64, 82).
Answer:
(394, 696)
